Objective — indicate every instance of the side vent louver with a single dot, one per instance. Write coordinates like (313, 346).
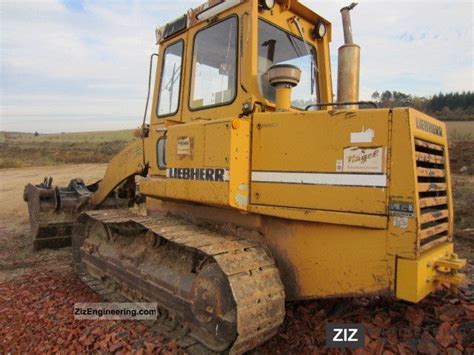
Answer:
(433, 193)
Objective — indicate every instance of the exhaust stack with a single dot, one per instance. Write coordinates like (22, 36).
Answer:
(349, 63)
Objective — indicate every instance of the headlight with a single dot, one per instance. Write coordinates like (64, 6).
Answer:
(267, 4)
(320, 30)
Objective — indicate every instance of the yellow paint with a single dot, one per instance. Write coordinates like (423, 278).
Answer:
(236, 123)
(239, 168)
(153, 186)
(401, 242)
(314, 142)
(328, 239)
(127, 163)
(248, 14)
(309, 227)
(441, 140)
(283, 99)
(418, 278)
(223, 144)
(327, 260)
(313, 215)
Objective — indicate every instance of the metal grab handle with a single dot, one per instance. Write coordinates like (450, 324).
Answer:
(370, 103)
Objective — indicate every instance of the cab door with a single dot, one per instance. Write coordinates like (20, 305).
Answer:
(167, 104)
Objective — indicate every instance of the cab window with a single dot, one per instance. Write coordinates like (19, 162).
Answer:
(276, 46)
(170, 87)
(214, 66)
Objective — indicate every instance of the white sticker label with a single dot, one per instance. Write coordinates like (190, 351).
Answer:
(184, 146)
(339, 166)
(400, 222)
(363, 160)
(366, 136)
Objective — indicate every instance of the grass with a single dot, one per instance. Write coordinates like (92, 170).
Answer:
(460, 130)
(18, 150)
(83, 137)
(463, 188)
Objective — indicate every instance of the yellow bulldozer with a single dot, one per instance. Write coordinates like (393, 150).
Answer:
(259, 186)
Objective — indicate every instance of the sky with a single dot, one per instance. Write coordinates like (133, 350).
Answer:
(82, 65)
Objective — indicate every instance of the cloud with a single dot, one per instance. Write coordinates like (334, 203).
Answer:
(64, 59)
(74, 64)
(420, 47)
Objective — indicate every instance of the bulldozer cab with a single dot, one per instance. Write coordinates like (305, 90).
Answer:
(214, 60)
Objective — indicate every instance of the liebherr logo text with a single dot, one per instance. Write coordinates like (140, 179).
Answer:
(429, 127)
(203, 174)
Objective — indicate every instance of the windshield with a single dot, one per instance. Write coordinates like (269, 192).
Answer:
(279, 47)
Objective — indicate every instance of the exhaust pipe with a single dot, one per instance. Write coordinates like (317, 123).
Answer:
(349, 64)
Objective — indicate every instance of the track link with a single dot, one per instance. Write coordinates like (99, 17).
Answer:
(163, 326)
(251, 274)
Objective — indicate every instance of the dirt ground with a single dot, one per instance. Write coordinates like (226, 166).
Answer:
(17, 257)
(38, 289)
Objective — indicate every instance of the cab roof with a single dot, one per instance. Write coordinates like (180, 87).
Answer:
(214, 7)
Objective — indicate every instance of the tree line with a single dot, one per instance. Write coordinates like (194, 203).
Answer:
(457, 106)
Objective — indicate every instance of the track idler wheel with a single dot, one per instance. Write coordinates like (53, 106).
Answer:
(213, 301)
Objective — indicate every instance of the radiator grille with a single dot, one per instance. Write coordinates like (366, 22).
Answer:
(433, 193)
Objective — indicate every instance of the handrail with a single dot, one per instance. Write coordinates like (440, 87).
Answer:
(370, 103)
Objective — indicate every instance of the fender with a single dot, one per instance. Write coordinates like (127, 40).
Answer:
(129, 162)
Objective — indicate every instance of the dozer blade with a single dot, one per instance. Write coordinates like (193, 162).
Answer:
(53, 210)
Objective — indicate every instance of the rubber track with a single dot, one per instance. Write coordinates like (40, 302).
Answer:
(252, 274)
